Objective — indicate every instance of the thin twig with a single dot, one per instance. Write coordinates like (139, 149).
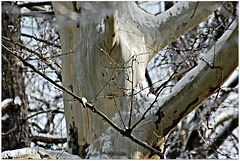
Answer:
(194, 10)
(24, 120)
(88, 105)
(36, 53)
(176, 76)
(102, 88)
(155, 100)
(42, 40)
(101, 145)
(112, 91)
(111, 78)
(131, 108)
(108, 56)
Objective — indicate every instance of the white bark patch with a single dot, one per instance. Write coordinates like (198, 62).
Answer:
(174, 11)
(140, 17)
(142, 102)
(101, 27)
(105, 140)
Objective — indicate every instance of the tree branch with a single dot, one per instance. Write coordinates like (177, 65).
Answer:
(48, 139)
(25, 119)
(50, 64)
(200, 82)
(226, 131)
(165, 28)
(88, 105)
(41, 40)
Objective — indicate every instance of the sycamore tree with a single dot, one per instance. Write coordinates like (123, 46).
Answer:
(109, 45)
(129, 78)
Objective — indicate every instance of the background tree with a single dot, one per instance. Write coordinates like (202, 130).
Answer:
(167, 68)
(28, 27)
(14, 109)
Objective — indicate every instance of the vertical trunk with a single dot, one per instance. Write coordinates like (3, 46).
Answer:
(100, 69)
(13, 83)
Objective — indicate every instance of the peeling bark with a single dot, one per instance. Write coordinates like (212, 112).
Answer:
(106, 60)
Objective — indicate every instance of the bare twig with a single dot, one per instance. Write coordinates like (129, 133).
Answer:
(24, 120)
(108, 56)
(101, 145)
(155, 100)
(111, 78)
(194, 10)
(131, 108)
(88, 105)
(41, 40)
(38, 55)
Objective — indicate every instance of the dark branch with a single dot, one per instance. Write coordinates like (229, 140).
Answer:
(86, 104)
(48, 139)
(226, 131)
(30, 4)
(41, 40)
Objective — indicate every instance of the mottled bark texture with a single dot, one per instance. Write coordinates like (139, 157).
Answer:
(109, 45)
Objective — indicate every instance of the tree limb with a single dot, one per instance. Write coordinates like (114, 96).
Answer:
(48, 139)
(159, 31)
(226, 131)
(201, 82)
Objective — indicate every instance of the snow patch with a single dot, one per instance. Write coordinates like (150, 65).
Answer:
(101, 27)
(105, 141)
(142, 101)
(48, 135)
(17, 101)
(116, 117)
(26, 151)
(6, 101)
(5, 117)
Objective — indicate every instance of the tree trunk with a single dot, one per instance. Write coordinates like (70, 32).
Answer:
(13, 87)
(107, 46)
